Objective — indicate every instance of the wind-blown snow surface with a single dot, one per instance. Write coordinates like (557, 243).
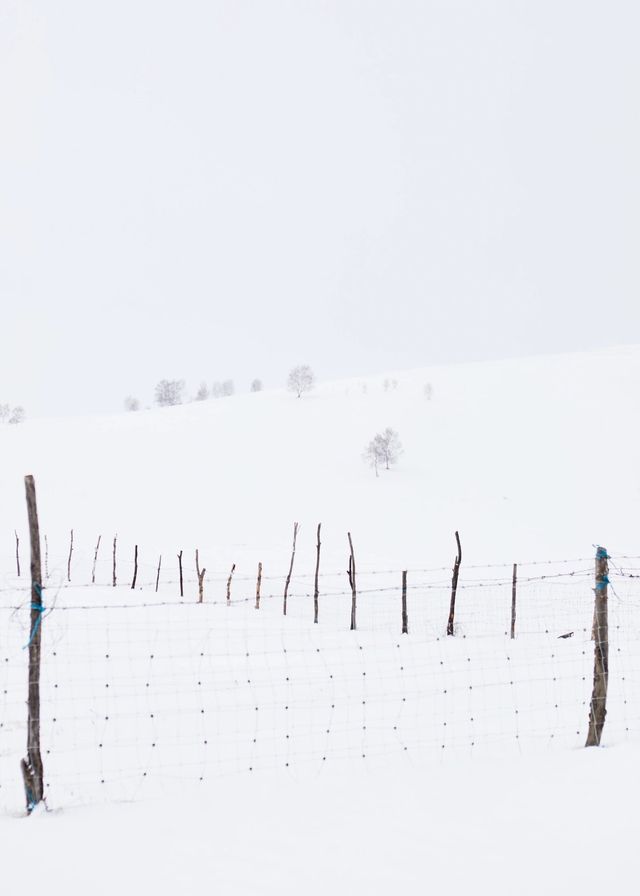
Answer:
(269, 754)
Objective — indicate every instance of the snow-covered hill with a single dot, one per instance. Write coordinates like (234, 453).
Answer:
(528, 459)
(150, 697)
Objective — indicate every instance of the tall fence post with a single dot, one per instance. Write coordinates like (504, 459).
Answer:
(352, 582)
(405, 618)
(514, 583)
(258, 583)
(454, 587)
(32, 771)
(316, 591)
(598, 707)
(288, 580)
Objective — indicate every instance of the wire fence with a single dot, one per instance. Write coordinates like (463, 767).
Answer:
(143, 693)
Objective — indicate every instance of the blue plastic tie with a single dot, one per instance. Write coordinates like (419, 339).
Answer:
(601, 554)
(40, 608)
(602, 584)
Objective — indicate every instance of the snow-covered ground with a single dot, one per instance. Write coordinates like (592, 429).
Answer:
(264, 753)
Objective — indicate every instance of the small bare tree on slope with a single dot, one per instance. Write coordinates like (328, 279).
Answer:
(169, 392)
(301, 379)
(383, 450)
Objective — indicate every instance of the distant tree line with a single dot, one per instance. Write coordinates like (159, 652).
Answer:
(169, 393)
(11, 415)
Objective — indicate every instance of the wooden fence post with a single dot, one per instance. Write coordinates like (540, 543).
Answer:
(293, 555)
(454, 587)
(352, 582)
(180, 568)
(513, 600)
(229, 585)
(115, 542)
(598, 707)
(69, 560)
(95, 560)
(158, 573)
(405, 618)
(17, 552)
(259, 580)
(135, 567)
(315, 587)
(32, 771)
(200, 573)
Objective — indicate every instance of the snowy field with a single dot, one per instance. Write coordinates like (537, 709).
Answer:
(261, 753)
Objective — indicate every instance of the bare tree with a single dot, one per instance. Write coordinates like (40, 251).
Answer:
(131, 403)
(383, 450)
(203, 392)
(169, 392)
(17, 415)
(301, 379)
(256, 386)
(228, 388)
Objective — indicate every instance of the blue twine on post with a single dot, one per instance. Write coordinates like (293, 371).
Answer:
(40, 608)
(601, 554)
(602, 584)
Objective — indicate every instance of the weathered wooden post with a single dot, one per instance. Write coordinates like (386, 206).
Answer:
(598, 707)
(95, 560)
(135, 568)
(454, 587)
(405, 618)
(233, 567)
(288, 580)
(32, 771)
(158, 572)
(180, 569)
(352, 582)
(200, 573)
(70, 555)
(115, 544)
(316, 591)
(258, 582)
(514, 583)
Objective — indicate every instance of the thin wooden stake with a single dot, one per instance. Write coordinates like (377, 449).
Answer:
(158, 573)
(405, 618)
(135, 567)
(352, 582)
(293, 554)
(598, 707)
(315, 587)
(200, 573)
(115, 542)
(258, 583)
(95, 560)
(17, 552)
(229, 585)
(454, 587)
(180, 568)
(513, 600)
(32, 770)
(69, 560)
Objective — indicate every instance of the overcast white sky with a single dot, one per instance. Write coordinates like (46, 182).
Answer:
(212, 189)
